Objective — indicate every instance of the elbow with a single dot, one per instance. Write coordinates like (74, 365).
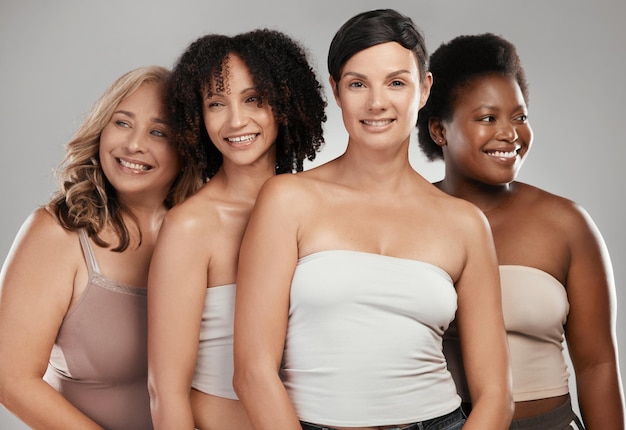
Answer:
(156, 391)
(5, 396)
(245, 379)
(509, 406)
(10, 389)
(240, 382)
(5, 387)
(508, 403)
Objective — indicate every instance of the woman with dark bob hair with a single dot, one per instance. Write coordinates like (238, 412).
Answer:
(556, 276)
(243, 109)
(73, 323)
(351, 272)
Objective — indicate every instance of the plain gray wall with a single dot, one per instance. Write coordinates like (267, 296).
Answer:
(58, 56)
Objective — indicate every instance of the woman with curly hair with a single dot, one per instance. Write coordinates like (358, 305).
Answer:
(73, 323)
(556, 275)
(243, 109)
(351, 272)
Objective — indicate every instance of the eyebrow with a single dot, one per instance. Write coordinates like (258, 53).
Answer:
(132, 115)
(210, 94)
(390, 75)
(492, 107)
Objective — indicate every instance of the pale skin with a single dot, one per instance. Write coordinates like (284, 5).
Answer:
(33, 303)
(534, 228)
(198, 249)
(370, 200)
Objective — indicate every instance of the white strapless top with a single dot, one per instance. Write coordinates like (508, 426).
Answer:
(215, 363)
(364, 338)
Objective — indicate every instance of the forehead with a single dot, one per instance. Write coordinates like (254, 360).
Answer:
(384, 57)
(489, 87)
(234, 73)
(147, 95)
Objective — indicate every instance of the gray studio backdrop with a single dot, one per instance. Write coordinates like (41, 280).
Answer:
(58, 57)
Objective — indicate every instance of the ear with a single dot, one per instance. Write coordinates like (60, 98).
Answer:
(335, 89)
(437, 131)
(425, 88)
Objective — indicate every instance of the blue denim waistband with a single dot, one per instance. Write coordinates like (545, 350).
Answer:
(457, 414)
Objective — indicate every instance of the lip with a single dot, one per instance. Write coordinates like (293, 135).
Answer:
(133, 166)
(502, 156)
(241, 141)
(378, 123)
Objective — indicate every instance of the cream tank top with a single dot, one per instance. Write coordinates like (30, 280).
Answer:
(535, 309)
(364, 340)
(215, 364)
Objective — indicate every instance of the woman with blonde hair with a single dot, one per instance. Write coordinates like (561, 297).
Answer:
(73, 324)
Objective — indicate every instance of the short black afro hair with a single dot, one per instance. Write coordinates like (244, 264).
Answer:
(453, 65)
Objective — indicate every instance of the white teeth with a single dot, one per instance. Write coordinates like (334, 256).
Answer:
(134, 166)
(501, 154)
(240, 139)
(377, 123)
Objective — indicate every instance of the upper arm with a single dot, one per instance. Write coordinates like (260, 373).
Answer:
(479, 315)
(590, 288)
(177, 285)
(37, 283)
(269, 253)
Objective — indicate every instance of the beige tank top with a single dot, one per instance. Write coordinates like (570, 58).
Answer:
(99, 359)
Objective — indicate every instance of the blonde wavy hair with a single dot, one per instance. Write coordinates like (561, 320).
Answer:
(84, 197)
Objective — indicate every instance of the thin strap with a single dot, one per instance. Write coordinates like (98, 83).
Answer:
(90, 257)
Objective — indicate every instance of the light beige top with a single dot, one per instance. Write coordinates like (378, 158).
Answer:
(535, 308)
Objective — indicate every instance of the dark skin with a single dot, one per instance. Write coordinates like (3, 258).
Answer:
(484, 145)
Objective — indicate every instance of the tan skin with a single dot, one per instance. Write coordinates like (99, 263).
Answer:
(198, 249)
(33, 303)
(370, 200)
(534, 228)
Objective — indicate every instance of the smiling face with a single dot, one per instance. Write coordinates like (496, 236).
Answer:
(380, 94)
(135, 154)
(240, 124)
(488, 136)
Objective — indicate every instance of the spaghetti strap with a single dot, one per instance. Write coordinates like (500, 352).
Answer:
(90, 257)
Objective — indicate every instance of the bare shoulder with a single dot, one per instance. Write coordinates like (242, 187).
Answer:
(43, 243)
(288, 190)
(43, 227)
(458, 212)
(194, 217)
(554, 209)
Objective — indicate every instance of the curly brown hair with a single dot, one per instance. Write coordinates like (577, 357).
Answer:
(84, 197)
(284, 78)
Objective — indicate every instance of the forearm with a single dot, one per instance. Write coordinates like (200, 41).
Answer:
(40, 406)
(266, 402)
(600, 397)
(171, 410)
(492, 409)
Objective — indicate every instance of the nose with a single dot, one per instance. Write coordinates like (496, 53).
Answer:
(377, 99)
(508, 132)
(136, 141)
(237, 116)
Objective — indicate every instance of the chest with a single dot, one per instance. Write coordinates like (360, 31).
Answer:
(532, 241)
(402, 229)
(368, 288)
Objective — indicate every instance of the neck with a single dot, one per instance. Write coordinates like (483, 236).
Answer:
(148, 213)
(485, 197)
(243, 183)
(374, 168)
